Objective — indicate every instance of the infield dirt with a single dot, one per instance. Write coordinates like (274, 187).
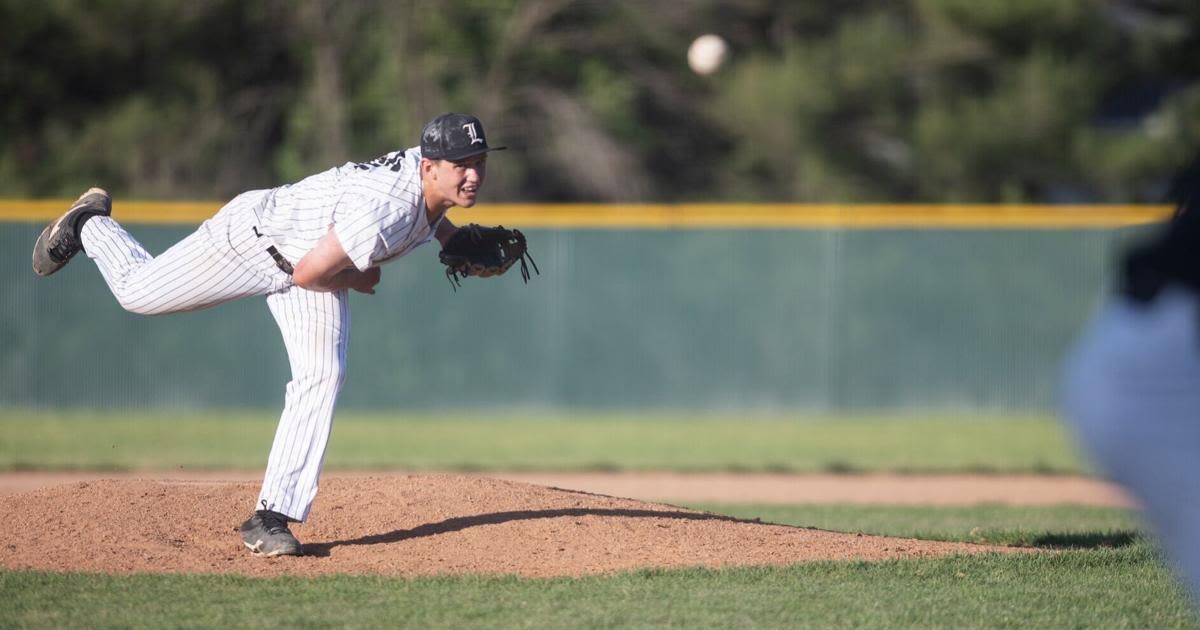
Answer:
(406, 525)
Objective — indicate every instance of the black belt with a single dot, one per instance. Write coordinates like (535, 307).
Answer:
(280, 261)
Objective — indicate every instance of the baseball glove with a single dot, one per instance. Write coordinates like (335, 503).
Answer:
(475, 250)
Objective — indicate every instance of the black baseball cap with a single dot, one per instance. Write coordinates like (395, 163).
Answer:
(454, 137)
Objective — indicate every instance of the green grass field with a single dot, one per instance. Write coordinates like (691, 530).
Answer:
(140, 440)
(1058, 526)
(1105, 581)
(1095, 570)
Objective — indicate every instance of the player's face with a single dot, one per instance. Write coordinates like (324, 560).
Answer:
(459, 181)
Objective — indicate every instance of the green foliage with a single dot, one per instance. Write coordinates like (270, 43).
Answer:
(922, 100)
(159, 98)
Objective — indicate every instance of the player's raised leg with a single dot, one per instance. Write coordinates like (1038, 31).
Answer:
(195, 273)
(316, 332)
(219, 262)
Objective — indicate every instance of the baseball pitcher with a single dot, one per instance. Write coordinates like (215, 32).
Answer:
(303, 246)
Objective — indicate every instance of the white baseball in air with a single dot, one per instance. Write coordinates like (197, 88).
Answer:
(707, 53)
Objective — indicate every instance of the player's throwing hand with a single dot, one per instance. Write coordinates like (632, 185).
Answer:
(364, 281)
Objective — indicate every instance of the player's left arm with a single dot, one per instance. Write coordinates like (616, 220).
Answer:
(327, 267)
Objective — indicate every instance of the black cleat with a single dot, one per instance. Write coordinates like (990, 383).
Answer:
(267, 534)
(60, 242)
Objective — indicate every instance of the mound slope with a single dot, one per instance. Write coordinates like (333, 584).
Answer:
(405, 525)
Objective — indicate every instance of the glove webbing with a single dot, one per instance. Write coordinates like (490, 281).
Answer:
(455, 278)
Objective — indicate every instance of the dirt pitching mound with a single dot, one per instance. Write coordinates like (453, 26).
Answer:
(405, 525)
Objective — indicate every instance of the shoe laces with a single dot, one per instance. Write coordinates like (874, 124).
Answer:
(273, 522)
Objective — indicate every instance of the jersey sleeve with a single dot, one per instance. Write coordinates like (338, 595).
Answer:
(359, 222)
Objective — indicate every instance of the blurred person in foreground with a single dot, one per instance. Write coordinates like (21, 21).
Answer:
(1132, 388)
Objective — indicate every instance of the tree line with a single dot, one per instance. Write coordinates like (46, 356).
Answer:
(839, 101)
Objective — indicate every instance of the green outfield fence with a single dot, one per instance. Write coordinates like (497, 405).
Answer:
(769, 307)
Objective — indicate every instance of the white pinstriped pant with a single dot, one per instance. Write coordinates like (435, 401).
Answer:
(221, 261)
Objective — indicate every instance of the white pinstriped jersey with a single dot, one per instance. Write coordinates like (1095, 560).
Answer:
(377, 210)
